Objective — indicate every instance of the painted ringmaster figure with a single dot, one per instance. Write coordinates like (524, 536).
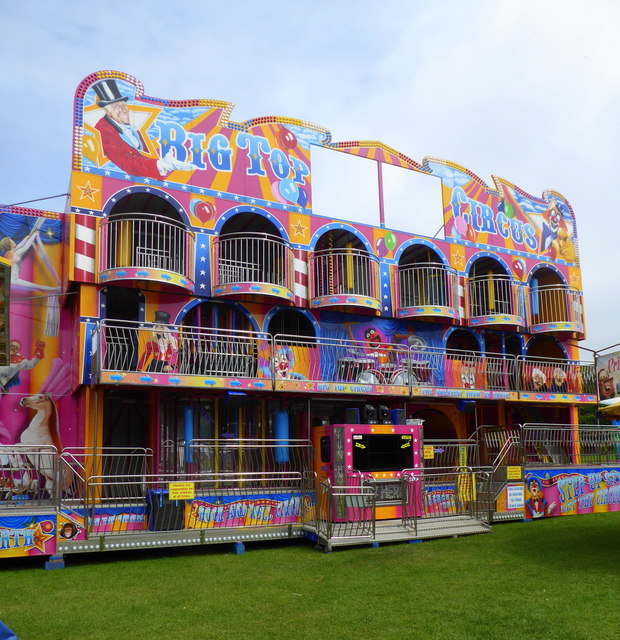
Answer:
(122, 143)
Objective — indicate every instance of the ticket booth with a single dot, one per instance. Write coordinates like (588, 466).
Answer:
(348, 454)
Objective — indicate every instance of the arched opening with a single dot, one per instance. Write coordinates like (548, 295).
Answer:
(545, 368)
(544, 347)
(250, 249)
(217, 339)
(296, 354)
(490, 289)
(145, 231)
(464, 365)
(437, 425)
(460, 341)
(341, 265)
(551, 300)
(292, 323)
(424, 279)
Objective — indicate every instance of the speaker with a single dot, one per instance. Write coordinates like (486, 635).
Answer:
(369, 414)
(352, 415)
(385, 417)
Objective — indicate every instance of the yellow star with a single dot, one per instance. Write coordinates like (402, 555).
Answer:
(40, 538)
(299, 229)
(458, 260)
(88, 192)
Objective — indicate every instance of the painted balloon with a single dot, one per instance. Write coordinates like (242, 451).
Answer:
(390, 241)
(471, 236)
(455, 234)
(509, 210)
(460, 225)
(289, 190)
(302, 199)
(287, 138)
(275, 189)
(518, 267)
(382, 250)
(203, 210)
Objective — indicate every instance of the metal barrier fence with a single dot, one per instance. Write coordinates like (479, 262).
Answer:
(441, 494)
(146, 241)
(499, 445)
(252, 257)
(118, 506)
(450, 454)
(558, 445)
(345, 512)
(343, 271)
(29, 476)
(427, 284)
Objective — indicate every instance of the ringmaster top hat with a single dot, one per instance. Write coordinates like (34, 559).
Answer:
(108, 93)
(161, 317)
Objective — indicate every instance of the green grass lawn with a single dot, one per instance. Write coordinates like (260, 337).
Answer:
(550, 579)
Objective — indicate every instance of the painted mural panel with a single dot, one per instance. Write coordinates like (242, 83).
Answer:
(562, 492)
(35, 384)
(127, 135)
(608, 375)
(506, 217)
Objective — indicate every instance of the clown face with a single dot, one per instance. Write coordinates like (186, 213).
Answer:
(281, 365)
(468, 377)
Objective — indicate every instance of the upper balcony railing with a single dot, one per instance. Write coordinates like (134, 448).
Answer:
(146, 247)
(127, 353)
(555, 308)
(256, 263)
(557, 376)
(495, 299)
(343, 276)
(428, 289)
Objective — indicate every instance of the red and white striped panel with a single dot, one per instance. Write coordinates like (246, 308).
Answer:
(462, 283)
(300, 273)
(84, 262)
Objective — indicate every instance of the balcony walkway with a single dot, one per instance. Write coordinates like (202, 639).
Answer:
(209, 358)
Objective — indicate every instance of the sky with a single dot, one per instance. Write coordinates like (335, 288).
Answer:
(526, 90)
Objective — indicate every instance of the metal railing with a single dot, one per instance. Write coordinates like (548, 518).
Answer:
(449, 454)
(121, 346)
(554, 375)
(559, 445)
(427, 284)
(252, 257)
(29, 476)
(147, 241)
(445, 494)
(493, 295)
(343, 271)
(117, 506)
(555, 303)
(345, 512)
(220, 352)
(239, 456)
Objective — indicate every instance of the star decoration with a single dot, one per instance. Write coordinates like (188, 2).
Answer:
(299, 229)
(40, 538)
(88, 191)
